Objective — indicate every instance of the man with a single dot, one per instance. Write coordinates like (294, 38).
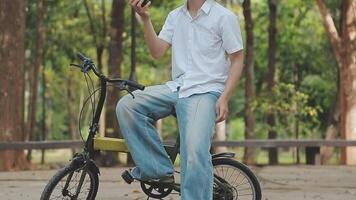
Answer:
(207, 61)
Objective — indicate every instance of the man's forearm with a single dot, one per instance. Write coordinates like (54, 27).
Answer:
(154, 43)
(156, 46)
(150, 34)
(234, 74)
(222, 109)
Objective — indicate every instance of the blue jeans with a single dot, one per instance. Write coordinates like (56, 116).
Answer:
(196, 121)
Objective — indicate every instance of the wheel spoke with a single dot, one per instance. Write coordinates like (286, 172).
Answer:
(89, 183)
(150, 188)
(241, 185)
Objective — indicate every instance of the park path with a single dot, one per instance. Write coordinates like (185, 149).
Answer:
(278, 183)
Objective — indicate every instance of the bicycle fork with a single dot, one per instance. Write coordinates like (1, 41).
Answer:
(79, 164)
(65, 191)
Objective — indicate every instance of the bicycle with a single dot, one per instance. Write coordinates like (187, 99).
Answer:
(80, 180)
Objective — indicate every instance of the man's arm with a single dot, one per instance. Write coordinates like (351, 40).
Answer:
(222, 108)
(156, 46)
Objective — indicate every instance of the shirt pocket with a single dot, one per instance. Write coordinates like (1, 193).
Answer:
(207, 42)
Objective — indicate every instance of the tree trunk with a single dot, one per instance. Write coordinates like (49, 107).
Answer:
(331, 30)
(332, 131)
(348, 79)
(70, 114)
(327, 152)
(332, 127)
(272, 134)
(115, 60)
(99, 52)
(249, 154)
(33, 74)
(12, 59)
(98, 39)
(99, 42)
(101, 47)
(133, 76)
(44, 128)
(297, 77)
(344, 48)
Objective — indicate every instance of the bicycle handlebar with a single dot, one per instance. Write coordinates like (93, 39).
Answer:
(88, 64)
(134, 84)
(82, 57)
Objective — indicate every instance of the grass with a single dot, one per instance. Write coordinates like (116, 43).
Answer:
(52, 156)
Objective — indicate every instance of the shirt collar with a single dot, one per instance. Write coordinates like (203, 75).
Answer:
(206, 7)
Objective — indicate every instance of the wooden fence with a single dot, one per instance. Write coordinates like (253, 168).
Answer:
(243, 143)
(312, 147)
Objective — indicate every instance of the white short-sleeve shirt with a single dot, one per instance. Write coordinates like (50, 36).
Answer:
(200, 47)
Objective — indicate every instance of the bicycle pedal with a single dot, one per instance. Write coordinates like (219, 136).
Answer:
(127, 177)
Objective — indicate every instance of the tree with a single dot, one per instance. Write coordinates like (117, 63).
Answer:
(71, 116)
(133, 75)
(99, 41)
(271, 121)
(249, 154)
(34, 71)
(115, 60)
(98, 38)
(343, 44)
(12, 54)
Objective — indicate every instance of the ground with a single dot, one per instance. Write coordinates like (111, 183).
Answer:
(278, 183)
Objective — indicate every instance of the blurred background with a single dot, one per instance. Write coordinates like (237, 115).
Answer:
(298, 81)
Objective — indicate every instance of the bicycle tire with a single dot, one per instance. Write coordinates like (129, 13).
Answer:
(245, 170)
(62, 173)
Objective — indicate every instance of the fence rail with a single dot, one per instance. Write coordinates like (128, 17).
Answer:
(286, 143)
(64, 144)
(67, 144)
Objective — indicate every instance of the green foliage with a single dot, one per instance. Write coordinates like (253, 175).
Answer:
(306, 76)
(289, 105)
(236, 128)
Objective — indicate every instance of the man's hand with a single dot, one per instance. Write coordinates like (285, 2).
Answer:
(156, 46)
(222, 109)
(142, 11)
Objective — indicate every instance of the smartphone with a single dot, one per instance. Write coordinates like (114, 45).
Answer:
(144, 3)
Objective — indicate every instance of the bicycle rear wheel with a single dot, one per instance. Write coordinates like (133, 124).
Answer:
(238, 178)
(65, 182)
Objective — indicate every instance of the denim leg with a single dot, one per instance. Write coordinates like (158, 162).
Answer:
(196, 119)
(136, 118)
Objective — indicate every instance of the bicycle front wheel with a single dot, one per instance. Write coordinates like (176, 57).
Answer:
(236, 181)
(72, 183)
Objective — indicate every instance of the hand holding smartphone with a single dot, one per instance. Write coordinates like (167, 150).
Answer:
(141, 7)
(144, 3)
